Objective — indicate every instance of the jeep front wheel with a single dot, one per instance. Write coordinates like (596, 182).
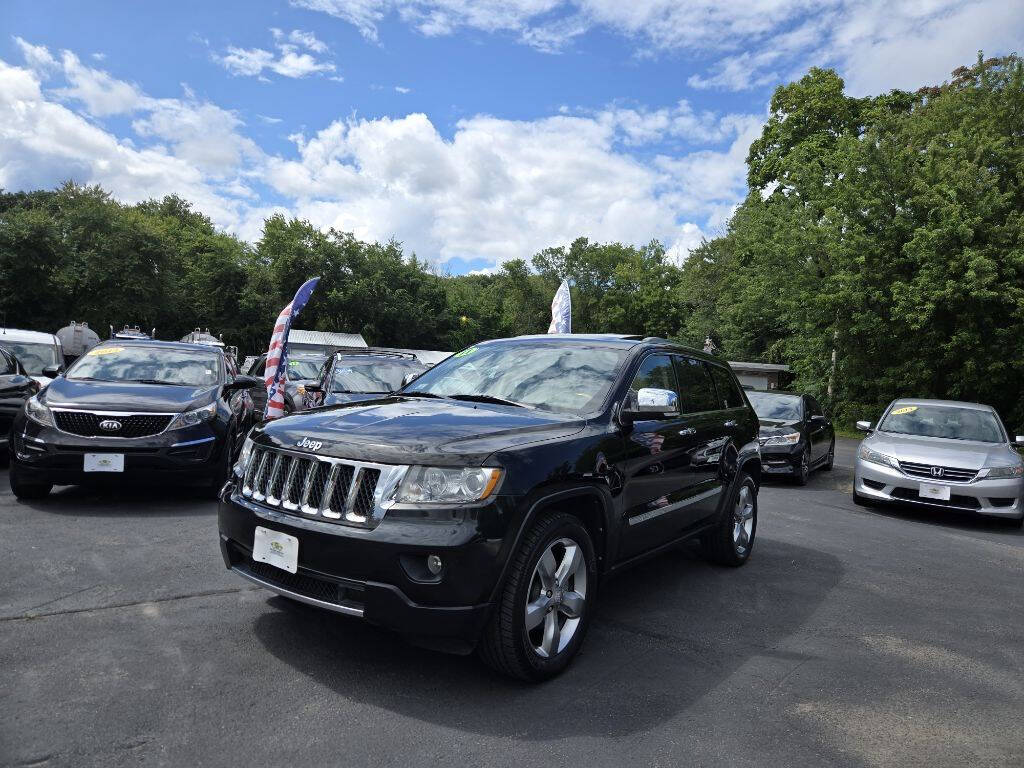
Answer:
(544, 607)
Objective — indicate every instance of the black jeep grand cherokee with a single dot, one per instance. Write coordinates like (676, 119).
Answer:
(483, 504)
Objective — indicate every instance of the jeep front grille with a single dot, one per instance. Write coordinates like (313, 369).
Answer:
(318, 487)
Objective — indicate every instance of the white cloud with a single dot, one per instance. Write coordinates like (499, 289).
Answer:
(37, 57)
(494, 190)
(402, 89)
(289, 60)
(875, 44)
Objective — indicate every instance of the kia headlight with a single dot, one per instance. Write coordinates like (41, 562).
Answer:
(192, 418)
(443, 485)
(38, 412)
(789, 438)
(866, 454)
(243, 457)
(1011, 472)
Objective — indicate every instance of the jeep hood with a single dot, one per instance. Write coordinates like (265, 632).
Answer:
(411, 430)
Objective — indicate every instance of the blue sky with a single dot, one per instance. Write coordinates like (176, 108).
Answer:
(473, 131)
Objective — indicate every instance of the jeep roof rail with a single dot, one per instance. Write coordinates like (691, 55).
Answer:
(372, 351)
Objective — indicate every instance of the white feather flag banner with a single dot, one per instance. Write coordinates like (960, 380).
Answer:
(561, 310)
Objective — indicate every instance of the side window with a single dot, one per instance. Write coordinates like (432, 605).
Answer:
(6, 364)
(728, 391)
(655, 371)
(814, 409)
(696, 390)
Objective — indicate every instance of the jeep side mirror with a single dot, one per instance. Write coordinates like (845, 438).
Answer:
(313, 386)
(649, 403)
(52, 371)
(864, 426)
(409, 378)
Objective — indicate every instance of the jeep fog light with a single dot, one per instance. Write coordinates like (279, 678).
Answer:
(434, 564)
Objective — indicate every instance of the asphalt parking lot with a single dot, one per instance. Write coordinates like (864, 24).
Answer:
(853, 637)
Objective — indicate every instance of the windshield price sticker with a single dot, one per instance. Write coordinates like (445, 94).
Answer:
(465, 352)
(105, 351)
(901, 411)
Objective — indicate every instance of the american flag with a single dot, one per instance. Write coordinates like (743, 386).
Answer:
(561, 310)
(277, 355)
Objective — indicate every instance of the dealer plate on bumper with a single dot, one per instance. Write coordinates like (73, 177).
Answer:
(103, 462)
(275, 548)
(933, 491)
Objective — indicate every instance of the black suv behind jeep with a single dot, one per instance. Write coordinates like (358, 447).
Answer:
(482, 505)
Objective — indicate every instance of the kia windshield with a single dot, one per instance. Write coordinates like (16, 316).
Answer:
(950, 422)
(570, 379)
(148, 365)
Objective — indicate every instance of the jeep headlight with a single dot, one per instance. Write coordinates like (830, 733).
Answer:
(191, 418)
(1005, 473)
(789, 438)
(444, 485)
(866, 454)
(38, 412)
(243, 457)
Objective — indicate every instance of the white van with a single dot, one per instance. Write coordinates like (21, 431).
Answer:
(40, 353)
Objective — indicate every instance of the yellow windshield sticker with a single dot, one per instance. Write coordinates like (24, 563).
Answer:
(468, 351)
(905, 409)
(106, 350)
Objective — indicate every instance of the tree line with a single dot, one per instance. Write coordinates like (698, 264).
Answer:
(879, 252)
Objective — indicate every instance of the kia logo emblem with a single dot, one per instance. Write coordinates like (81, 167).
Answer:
(110, 425)
(937, 472)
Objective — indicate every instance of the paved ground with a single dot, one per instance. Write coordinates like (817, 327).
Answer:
(852, 637)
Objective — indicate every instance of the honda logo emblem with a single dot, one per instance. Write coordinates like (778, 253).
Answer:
(110, 425)
(937, 472)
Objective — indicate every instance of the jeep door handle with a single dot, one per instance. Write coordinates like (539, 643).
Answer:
(687, 431)
(730, 423)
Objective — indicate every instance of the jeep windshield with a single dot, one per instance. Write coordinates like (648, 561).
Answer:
(950, 422)
(148, 365)
(559, 377)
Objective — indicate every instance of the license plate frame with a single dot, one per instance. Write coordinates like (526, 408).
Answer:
(933, 491)
(275, 548)
(103, 462)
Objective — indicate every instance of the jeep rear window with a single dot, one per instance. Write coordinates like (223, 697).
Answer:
(552, 377)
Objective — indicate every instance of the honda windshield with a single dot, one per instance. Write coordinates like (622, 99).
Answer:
(770, 405)
(947, 421)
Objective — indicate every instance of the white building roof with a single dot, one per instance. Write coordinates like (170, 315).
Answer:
(759, 367)
(326, 338)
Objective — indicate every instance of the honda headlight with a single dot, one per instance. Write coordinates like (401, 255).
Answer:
(243, 457)
(866, 454)
(789, 438)
(443, 485)
(1005, 473)
(191, 418)
(38, 412)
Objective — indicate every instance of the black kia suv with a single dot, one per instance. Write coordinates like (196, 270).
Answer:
(796, 436)
(162, 412)
(482, 504)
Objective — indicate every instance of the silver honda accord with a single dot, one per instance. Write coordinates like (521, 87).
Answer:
(941, 453)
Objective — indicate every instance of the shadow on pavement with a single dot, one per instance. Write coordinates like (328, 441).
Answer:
(121, 497)
(945, 518)
(666, 634)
